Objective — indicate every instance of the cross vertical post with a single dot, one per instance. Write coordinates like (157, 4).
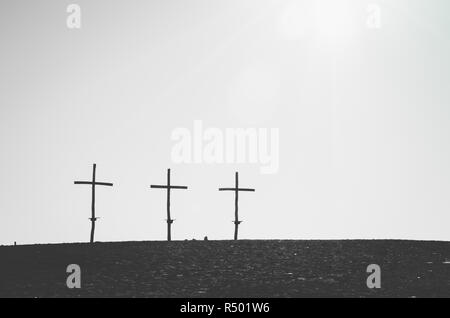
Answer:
(236, 207)
(93, 183)
(93, 218)
(236, 190)
(169, 220)
(168, 187)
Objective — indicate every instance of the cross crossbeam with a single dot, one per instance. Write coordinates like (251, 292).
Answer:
(93, 184)
(236, 190)
(168, 187)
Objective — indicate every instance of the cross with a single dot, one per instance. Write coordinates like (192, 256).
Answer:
(168, 187)
(236, 190)
(93, 183)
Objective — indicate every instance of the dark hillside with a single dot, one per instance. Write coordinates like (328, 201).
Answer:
(228, 269)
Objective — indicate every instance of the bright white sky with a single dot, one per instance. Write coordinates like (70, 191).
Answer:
(363, 116)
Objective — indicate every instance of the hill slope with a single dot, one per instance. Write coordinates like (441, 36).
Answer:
(228, 269)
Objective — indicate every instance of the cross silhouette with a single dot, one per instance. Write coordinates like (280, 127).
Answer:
(168, 187)
(93, 183)
(236, 190)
